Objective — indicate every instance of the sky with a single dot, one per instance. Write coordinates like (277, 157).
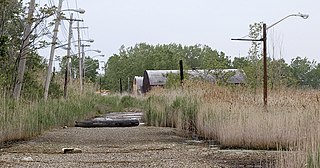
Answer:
(113, 23)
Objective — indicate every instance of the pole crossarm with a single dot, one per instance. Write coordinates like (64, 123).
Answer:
(80, 28)
(243, 39)
(62, 45)
(76, 20)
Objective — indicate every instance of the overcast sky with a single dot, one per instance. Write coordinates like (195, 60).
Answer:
(113, 23)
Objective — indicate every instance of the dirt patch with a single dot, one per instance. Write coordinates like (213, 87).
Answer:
(125, 147)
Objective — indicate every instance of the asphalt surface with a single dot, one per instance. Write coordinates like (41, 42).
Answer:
(140, 146)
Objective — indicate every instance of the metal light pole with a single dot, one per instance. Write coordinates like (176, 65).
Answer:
(264, 41)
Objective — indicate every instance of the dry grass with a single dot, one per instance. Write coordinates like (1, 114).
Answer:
(236, 118)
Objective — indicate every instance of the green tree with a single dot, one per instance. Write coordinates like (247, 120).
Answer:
(90, 69)
(212, 59)
(133, 61)
(12, 22)
(10, 39)
(254, 70)
(279, 74)
(313, 77)
(241, 62)
(300, 69)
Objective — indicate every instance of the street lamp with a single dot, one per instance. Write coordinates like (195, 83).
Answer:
(100, 55)
(98, 51)
(81, 11)
(53, 43)
(62, 45)
(304, 16)
(264, 40)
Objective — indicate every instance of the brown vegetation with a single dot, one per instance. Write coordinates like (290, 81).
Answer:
(236, 118)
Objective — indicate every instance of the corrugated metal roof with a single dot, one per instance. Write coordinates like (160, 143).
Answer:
(159, 77)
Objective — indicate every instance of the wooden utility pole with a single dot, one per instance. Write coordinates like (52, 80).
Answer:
(265, 74)
(24, 52)
(53, 45)
(100, 85)
(181, 72)
(120, 82)
(128, 84)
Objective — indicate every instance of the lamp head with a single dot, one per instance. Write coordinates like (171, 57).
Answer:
(304, 16)
(82, 11)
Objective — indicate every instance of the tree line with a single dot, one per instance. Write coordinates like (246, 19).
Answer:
(132, 61)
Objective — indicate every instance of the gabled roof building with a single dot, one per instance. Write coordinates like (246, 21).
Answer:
(153, 78)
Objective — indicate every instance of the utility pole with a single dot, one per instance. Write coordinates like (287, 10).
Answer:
(100, 83)
(83, 62)
(120, 83)
(53, 43)
(80, 60)
(68, 67)
(23, 52)
(265, 75)
(181, 72)
(264, 40)
(128, 84)
(65, 89)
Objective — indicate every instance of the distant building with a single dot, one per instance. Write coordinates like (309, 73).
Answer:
(137, 85)
(158, 78)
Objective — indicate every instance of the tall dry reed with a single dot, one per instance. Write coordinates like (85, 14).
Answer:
(236, 118)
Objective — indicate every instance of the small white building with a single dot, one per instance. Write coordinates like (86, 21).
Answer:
(137, 85)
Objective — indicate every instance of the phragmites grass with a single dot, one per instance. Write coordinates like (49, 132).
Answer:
(23, 120)
(27, 118)
(236, 118)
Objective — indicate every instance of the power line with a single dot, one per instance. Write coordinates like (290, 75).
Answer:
(64, 30)
(76, 2)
